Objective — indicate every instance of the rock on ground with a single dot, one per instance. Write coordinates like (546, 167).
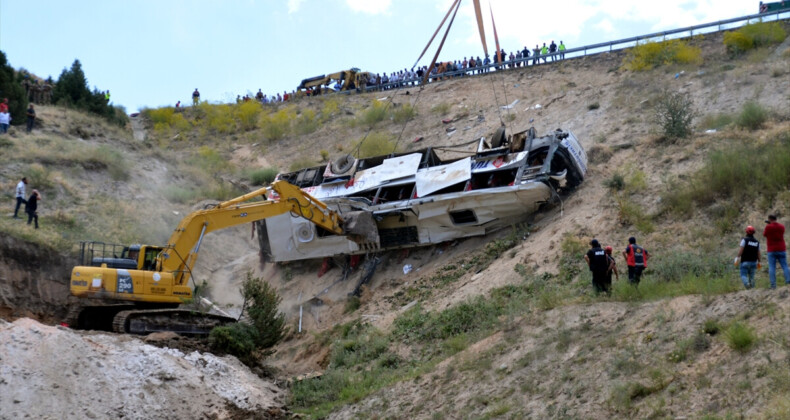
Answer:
(56, 373)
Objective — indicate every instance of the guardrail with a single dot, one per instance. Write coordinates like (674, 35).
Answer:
(713, 27)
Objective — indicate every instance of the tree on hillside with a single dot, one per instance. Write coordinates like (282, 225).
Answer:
(11, 88)
(71, 89)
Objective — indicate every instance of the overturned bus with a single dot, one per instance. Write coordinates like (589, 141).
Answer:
(418, 199)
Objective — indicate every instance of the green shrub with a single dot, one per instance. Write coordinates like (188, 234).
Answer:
(616, 182)
(754, 35)
(752, 116)
(263, 176)
(593, 106)
(633, 214)
(441, 108)
(210, 160)
(352, 304)
(740, 337)
(330, 108)
(374, 114)
(674, 266)
(180, 195)
(358, 350)
(648, 55)
(263, 330)
(277, 125)
(404, 113)
(306, 122)
(237, 339)
(261, 303)
(39, 177)
(474, 315)
(674, 113)
(766, 166)
(375, 144)
(711, 326)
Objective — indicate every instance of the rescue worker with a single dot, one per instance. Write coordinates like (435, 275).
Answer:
(195, 97)
(636, 258)
(561, 48)
(749, 257)
(598, 263)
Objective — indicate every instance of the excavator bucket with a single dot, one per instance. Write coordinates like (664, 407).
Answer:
(360, 227)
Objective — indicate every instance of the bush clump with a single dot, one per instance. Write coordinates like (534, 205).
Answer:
(404, 113)
(376, 113)
(375, 144)
(264, 327)
(766, 166)
(262, 176)
(648, 55)
(675, 113)
(752, 116)
(753, 35)
(740, 337)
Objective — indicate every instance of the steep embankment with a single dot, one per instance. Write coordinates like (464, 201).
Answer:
(551, 349)
(33, 281)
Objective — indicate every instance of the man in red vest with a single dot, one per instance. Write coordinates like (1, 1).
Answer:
(636, 258)
(775, 245)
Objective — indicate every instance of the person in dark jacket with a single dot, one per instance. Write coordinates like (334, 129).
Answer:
(599, 265)
(31, 207)
(749, 256)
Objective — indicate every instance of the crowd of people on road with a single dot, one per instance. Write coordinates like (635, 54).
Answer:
(603, 265)
(400, 78)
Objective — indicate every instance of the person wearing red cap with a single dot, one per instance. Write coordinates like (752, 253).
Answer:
(636, 258)
(749, 256)
(774, 233)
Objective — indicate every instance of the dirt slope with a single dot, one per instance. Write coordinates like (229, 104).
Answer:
(53, 372)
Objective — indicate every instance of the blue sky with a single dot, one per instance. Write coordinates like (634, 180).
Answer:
(153, 53)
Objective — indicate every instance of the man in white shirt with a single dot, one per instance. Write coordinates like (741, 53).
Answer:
(20, 196)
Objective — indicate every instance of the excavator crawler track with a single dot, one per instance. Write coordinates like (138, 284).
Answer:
(181, 321)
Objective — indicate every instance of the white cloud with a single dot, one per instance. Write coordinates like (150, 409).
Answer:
(372, 7)
(605, 25)
(293, 5)
(578, 21)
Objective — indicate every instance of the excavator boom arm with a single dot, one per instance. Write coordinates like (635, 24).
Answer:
(181, 251)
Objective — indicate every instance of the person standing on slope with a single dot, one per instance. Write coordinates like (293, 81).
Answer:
(774, 234)
(636, 258)
(749, 255)
(599, 265)
(611, 269)
(20, 196)
(195, 97)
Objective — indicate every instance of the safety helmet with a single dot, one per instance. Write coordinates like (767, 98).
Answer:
(608, 250)
(750, 230)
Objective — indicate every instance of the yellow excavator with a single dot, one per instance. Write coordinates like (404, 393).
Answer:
(152, 281)
(346, 78)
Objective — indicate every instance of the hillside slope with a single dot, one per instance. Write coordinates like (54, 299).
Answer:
(537, 342)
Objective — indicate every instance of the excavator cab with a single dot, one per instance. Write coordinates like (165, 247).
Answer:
(132, 257)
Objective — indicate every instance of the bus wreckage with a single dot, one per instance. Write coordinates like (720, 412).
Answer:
(418, 199)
